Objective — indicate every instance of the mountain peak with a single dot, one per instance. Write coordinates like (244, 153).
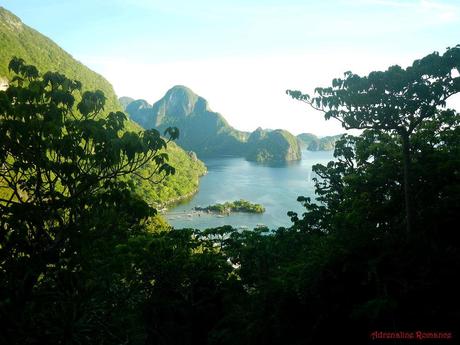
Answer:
(181, 93)
(182, 101)
(181, 88)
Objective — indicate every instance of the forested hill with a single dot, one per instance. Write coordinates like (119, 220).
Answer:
(207, 132)
(17, 39)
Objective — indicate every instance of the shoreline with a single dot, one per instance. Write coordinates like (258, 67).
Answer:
(163, 207)
(173, 202)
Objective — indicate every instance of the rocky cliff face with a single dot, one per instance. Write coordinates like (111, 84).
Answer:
(181, 102)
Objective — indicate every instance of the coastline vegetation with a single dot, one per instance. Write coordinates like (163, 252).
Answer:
(234, 206)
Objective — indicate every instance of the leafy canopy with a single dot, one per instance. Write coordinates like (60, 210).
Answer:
(63, 169)
(396, 99)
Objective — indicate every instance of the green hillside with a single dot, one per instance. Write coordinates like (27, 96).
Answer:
(176, 187)
(207, 132)
(17, 39)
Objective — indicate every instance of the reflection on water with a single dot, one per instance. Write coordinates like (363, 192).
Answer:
(275, 186)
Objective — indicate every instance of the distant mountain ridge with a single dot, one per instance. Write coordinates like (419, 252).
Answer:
(207, 132)
(314, 143)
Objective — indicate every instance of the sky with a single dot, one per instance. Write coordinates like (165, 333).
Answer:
(242, 55)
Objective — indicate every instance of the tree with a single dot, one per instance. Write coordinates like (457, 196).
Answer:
(383, 274)
(394, 101)
(64, 175)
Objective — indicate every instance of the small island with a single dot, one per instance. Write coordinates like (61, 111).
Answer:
(235, 206)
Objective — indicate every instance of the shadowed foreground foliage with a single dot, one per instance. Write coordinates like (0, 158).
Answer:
(83, 262)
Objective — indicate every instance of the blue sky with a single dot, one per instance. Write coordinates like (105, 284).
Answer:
(242, 55)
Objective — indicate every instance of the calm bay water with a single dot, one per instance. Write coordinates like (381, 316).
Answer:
(276, 187)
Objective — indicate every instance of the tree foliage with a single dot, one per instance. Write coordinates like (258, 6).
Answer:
(61, 170)
(394, 101)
